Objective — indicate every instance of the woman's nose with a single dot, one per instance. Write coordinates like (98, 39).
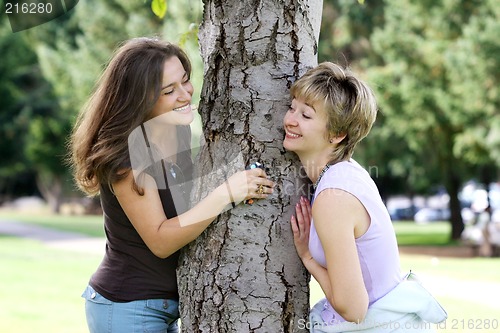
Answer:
(186, 92)
(290, 119)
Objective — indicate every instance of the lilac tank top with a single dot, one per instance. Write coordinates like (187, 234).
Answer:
(377, 248)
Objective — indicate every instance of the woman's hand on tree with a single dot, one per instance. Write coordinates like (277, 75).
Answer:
(249, 184)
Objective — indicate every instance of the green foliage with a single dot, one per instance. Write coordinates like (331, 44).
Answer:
(438, 82)
(73, 52)
(435, 70)
(159, 7)
(434, 67)
(474, 70)
(25, 95)
(44, 147)
(346, 29)
(345, 38)
(48, 73)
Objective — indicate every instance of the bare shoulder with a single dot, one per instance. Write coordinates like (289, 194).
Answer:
(337, 199)
(336, 208)
(135, 187)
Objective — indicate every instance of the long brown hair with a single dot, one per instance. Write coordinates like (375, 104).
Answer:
(123, 99)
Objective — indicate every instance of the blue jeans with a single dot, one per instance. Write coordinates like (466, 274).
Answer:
(152, 315)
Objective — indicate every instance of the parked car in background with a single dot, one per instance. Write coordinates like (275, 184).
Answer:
(426, 215)
(404, 213)
(401, 208)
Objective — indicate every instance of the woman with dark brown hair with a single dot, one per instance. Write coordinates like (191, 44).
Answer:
(131, 145)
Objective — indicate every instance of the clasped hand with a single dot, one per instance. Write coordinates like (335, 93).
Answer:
(301, 226)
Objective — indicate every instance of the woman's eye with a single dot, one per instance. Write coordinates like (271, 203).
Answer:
(168, 92)
(306, 116)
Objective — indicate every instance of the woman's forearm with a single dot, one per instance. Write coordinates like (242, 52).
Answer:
(183, 229)
(320, 274)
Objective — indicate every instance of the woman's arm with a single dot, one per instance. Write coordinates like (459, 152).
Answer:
(165, 236)
(338, 218)
(301, 226)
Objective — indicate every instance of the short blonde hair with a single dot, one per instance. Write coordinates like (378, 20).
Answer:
(348, 102)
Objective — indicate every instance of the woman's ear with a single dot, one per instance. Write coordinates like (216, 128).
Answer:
(338, 138)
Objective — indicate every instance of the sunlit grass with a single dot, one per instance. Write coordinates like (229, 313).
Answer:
(435, 234)
(41, 287)
(483, 269)
(90, 225)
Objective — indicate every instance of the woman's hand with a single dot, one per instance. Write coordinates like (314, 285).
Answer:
(301, 226)
(249, 184)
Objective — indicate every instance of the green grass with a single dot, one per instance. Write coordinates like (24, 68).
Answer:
(432, 234)
(480, 269)
(468, 288)
(90, 225)
(41, 286)
(408, 233)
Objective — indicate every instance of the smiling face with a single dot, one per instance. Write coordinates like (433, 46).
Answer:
(305, 131)
(174, 103)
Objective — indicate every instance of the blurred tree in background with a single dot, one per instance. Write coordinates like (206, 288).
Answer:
(345, 36)
(28, 107)
(425, 85)
(435, 68)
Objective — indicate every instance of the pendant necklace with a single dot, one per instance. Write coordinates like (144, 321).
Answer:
(326, 167)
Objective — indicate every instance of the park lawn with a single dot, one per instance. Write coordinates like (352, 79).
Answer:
(431, 234)
(41, 287)
(467, 288)
(90, 225)
(408, 233)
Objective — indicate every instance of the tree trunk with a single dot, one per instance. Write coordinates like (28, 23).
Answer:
(50, 187)
(243, 274)
(457, 224)
(448, 163)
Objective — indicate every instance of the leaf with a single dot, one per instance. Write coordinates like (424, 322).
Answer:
(159, 7)
(362, 2)
(191, 33)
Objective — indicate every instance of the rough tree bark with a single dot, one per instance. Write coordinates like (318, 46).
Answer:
(243, 274)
